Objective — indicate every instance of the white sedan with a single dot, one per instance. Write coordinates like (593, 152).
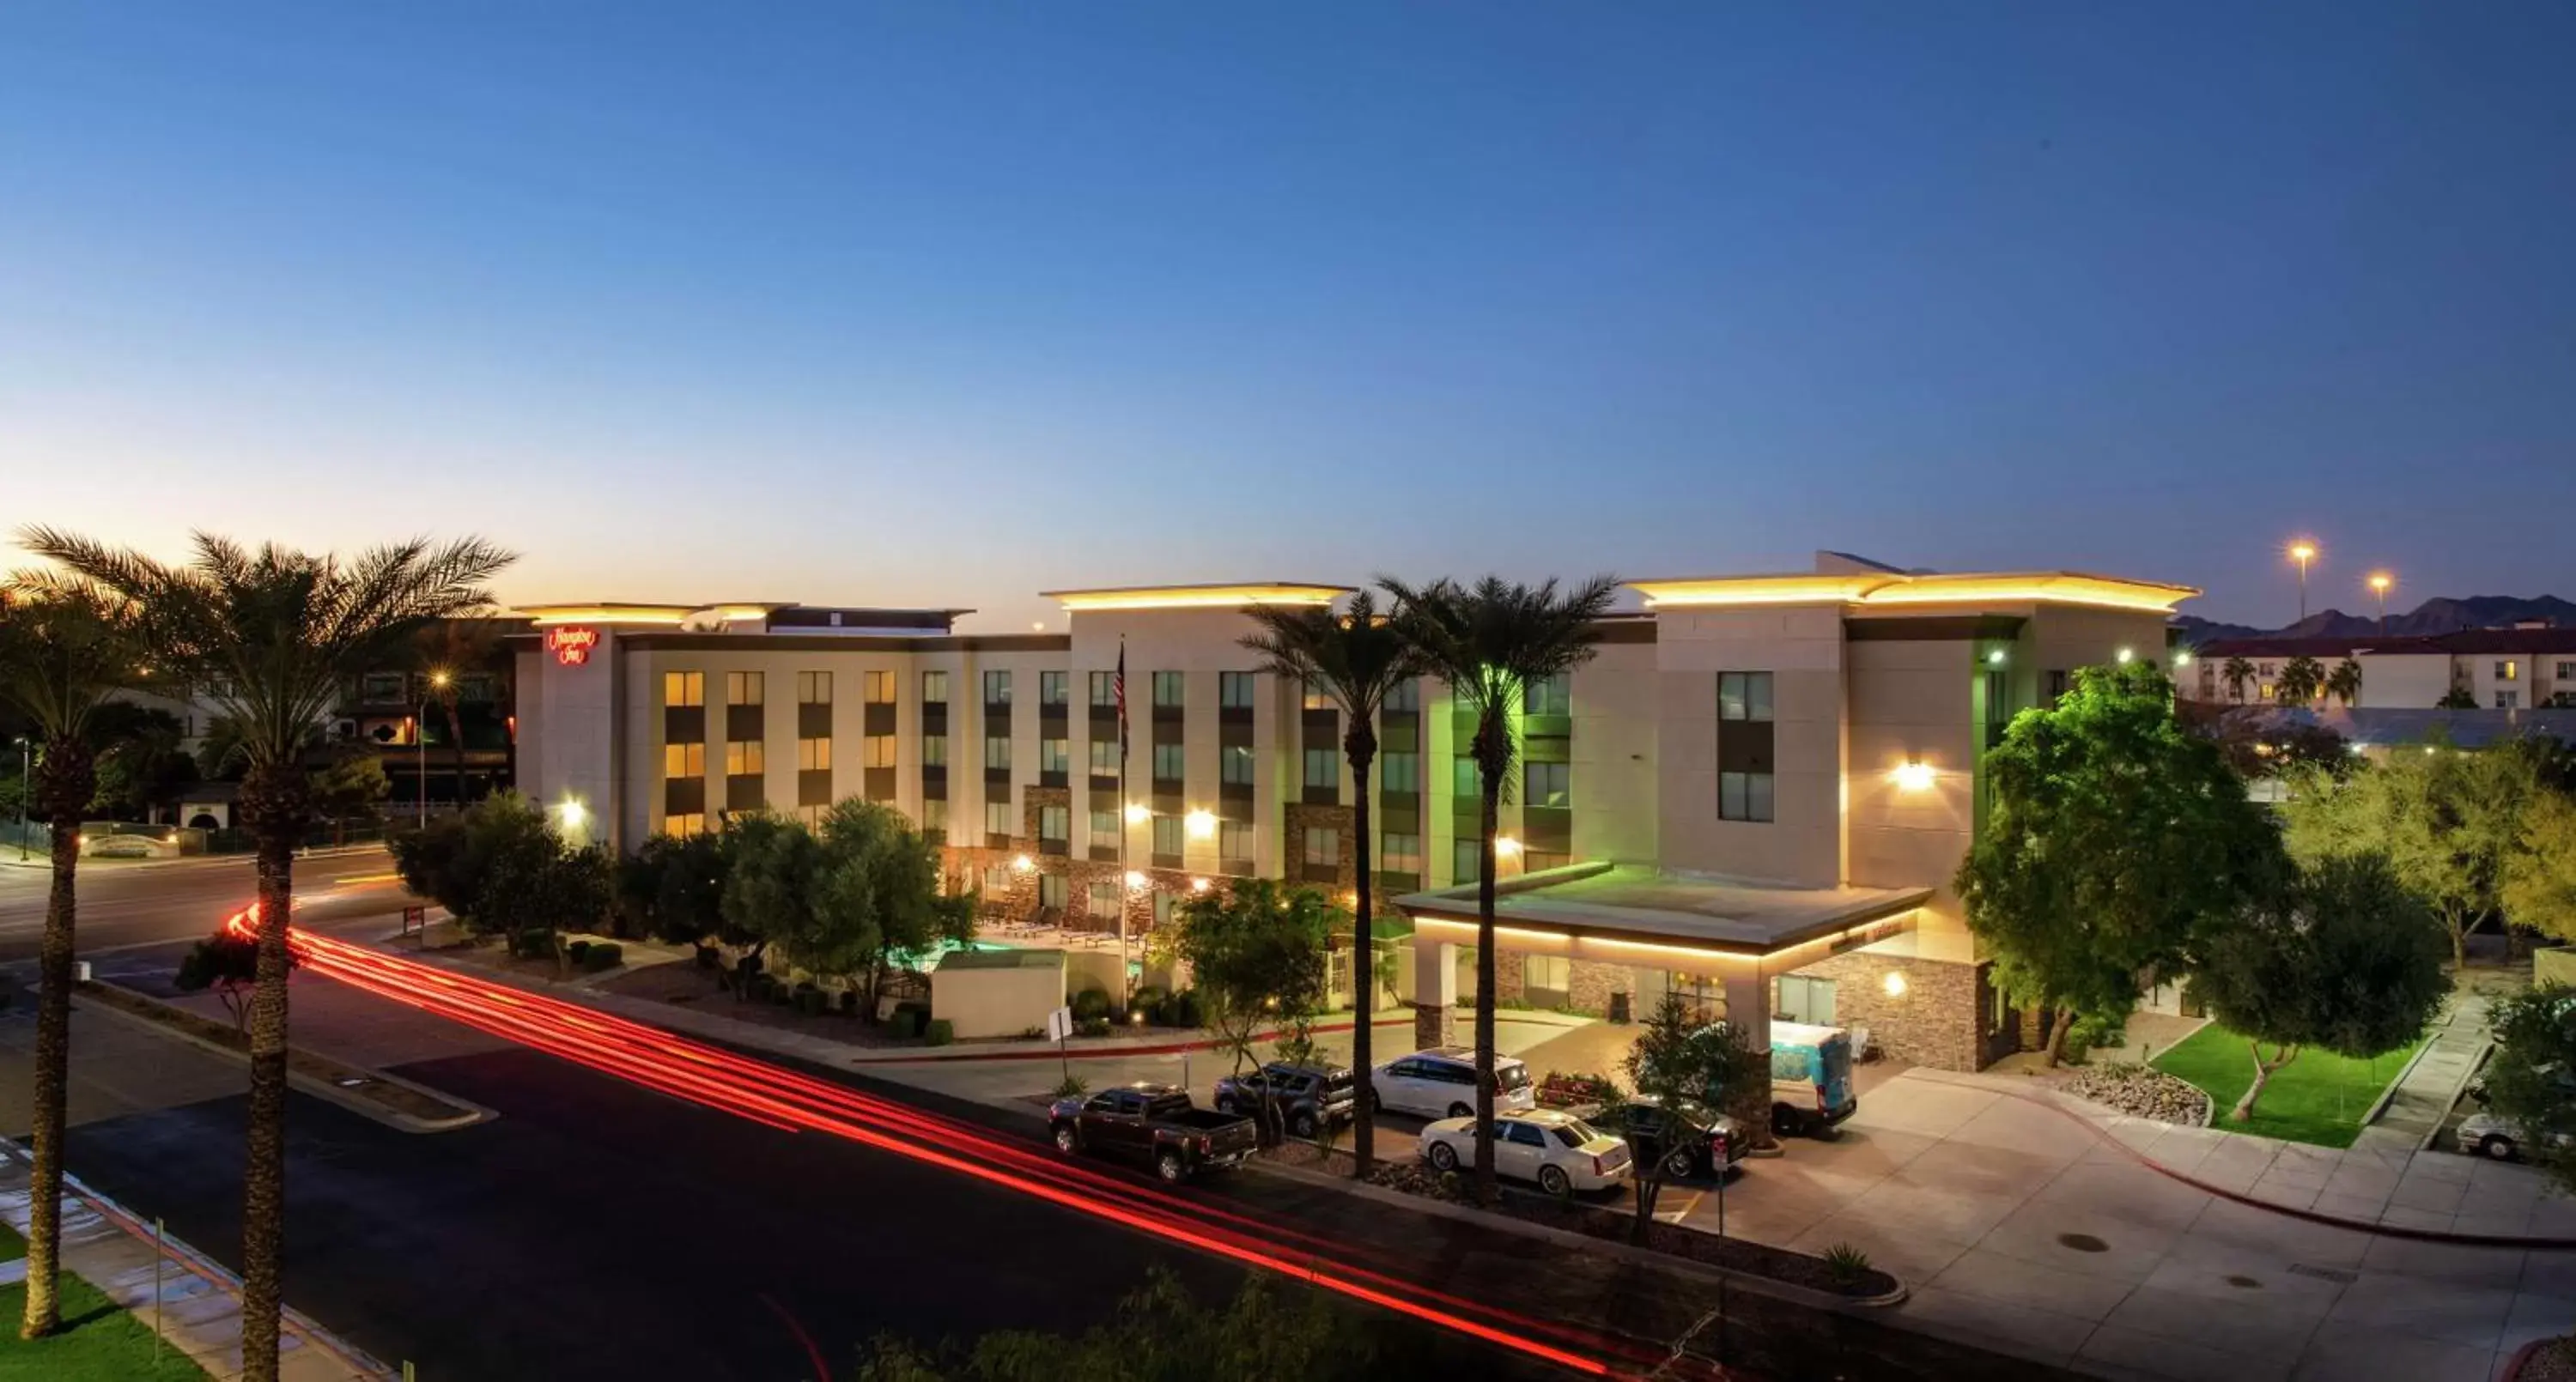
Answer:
(1558, 1150)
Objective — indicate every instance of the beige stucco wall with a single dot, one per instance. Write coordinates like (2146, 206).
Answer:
(1616, 761)
(1914, 701)
(1802, 647)
(995, 1002)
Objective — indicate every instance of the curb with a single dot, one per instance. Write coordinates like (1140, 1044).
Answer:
(1644, 1257)
(309, 1084)
(2513, 1366)
(359, 1361)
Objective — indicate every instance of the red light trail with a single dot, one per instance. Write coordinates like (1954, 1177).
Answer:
(784, 1099)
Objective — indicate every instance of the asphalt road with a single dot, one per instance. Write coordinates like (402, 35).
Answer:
(126, 904)
(598, 1230)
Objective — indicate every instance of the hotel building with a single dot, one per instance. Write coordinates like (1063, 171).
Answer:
(1755, 795)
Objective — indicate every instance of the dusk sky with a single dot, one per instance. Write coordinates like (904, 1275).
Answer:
(946, 304)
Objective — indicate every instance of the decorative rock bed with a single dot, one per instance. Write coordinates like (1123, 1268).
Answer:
(2140, 1092)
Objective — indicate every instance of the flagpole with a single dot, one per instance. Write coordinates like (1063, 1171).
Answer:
(1126, 991)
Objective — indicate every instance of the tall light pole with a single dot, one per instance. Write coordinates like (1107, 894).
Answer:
(420, 746)
(2379, 583)
(2303, 552)
(26, 788)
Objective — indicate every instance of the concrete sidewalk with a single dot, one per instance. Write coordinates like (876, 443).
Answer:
(2430, 1086)
(199, 1303)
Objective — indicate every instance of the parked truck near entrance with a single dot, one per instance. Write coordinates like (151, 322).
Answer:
(1155, 1124)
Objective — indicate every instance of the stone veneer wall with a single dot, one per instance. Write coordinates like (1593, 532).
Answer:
(1934, 1022)
(1302, 817)
(1589, 984)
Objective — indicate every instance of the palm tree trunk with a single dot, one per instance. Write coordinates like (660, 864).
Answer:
(53, 1059)
(456, 743)
(1488, 822)
(1362, 751)
(276, 795)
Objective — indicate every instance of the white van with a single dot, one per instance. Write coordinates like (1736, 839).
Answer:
(1442, 1083)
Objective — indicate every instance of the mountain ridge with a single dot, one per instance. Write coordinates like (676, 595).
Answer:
(2439, 615)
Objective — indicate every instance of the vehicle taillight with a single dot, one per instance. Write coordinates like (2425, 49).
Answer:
(1600, 1164)
(1199, 1145)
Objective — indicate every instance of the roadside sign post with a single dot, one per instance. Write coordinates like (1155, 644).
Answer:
(417, 918)
(157, 1253)
(1060, 1026)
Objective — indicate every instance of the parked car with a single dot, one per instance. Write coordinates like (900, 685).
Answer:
(2490, 1134)
(1707, 1142)
(1441, 1083)
(1306, 1098)
(1558, 1150)
(1155, 1124)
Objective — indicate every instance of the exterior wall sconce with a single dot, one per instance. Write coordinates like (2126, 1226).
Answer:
(1201, 824)
(1138, 813)
(1912, 776)
(1894, 983)
(1505, 847)
(1135, 879)
(1024, 863)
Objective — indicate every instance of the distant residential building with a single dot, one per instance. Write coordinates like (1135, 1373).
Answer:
(2522, 668)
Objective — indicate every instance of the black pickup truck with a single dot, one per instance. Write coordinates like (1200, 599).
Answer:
(1153, 1123)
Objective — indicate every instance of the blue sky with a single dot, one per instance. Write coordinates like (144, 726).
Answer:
(944, 303)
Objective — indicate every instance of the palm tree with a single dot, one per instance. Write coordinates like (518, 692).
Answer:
(2236, 672)
(2302, 679)
(269, 637)
(2344, 684)
(1489, 642)
(65, 648)
(445, 650)
(1356, 658)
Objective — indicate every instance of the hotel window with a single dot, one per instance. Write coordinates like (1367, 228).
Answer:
(379, 688)
(2265, 669)
(1104, 689)
(997, 818)
(1464, 783)
(1405, 697)
(1101, 900)
(1401, 854)
(1055, 824)
(1324, 768)
(1543, 784)
(1544, 980)
(934, 819)
(934, 750)
(1055, 756)
(1167, 688)
(1167, 834)
(1550, 695)
(1104, 758)
(743, 688)
(1805, 999)
(1167, 762)
(880, 751)
(997, 751)
(1052, 890)
(694, 823)
(2508, 670)
(743, 758)
(877, 688)
(1162, 909)
(1235, 762)
(934, 688)
(1400, 772)
(1234, 843)
(815, 755)
(684, 688)
(997, 688)
(1323, 846)
(997, 878)
(2567, 671)
(812, 816)
(813, 688)
(1466, 861)
(1315, 696)
(1104, 827)
(2508, 700)
(1744, 746)
(1234, 690)
(684, 760)
(1051, 688)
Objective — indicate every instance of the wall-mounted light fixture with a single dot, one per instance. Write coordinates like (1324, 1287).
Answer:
(1135, 879)
(1894, 983)
(1912, 776)
(1138, 813)
(1201, 824)
(1505, 847)
(1024, 863)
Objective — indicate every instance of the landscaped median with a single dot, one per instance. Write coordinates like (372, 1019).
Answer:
(386, 1098)
(97, 1343)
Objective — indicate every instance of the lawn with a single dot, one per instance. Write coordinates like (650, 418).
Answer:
(99, 1342)
(2318, 1098)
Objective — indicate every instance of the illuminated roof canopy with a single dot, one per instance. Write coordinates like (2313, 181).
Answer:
(1877, 589)
(611, 612)
(1199, 596)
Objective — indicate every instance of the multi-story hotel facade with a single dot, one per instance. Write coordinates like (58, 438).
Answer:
(1756, 794)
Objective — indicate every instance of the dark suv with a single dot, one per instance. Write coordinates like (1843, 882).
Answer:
(1307, 1097)
(1707, 1143)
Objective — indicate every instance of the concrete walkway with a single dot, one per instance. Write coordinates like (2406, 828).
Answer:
(199, 1303)
(2432, 1084)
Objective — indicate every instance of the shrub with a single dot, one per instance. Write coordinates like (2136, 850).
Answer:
(1148, 998)
(848, 1003)
(940, 1033)
(1846, 1265)
(602, 955)
(576, 951)
(534, 943)
(780, 993)
(900, 1026)
(1187, 1011)
(1091, 1003)
(811, 1001)
(1072, 1087)
(710, 958)
(1091, 1027)
(1030, 1034)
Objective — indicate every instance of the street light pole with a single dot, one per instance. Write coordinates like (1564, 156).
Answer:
(2379, 583)
(26, 788)
(420, 762)
(2303, 552)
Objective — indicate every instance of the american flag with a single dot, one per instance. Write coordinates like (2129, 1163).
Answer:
(1118, 690)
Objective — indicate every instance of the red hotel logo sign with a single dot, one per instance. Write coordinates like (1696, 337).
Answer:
(571, 643)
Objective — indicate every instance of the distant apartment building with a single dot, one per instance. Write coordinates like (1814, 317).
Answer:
(2522, 668)
(1755, 796)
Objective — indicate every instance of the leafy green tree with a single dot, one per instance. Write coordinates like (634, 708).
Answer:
(876, 896)
(1358, 658)
(1269, 1332)
(672, 888)
(66, 647)
(2344, 682)
(2302, 680)
(1491, 642)
(268, 637)
(353, 786)
(1682, 1058)
(769, 890)
(2457, 698)
(2238, 674)
(2446, 821)
(2258, 751)
(2342, 957)
(2531, 1078)
(229, 965)
(2113, 840)
(503, 869)
(2539, 888)
(141, 771)
(1256, 953)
